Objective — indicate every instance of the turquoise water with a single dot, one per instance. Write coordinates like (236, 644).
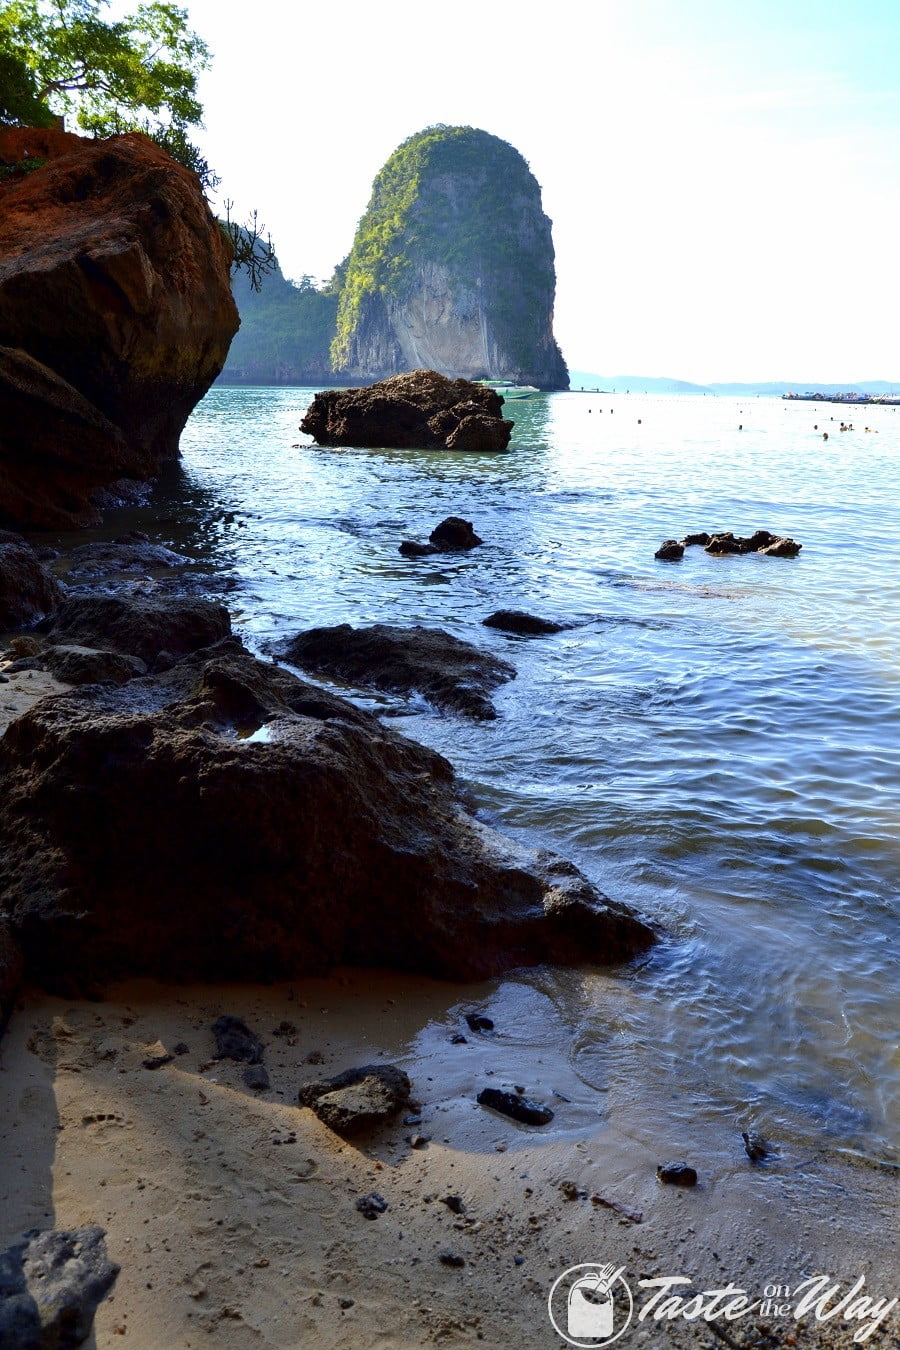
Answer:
(716, 741)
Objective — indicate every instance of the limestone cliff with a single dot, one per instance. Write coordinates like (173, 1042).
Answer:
(452, 267)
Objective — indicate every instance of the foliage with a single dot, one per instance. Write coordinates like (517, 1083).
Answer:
(250, 251)
(138, 73)
(285, 332)
(455, 196)
(19, 102)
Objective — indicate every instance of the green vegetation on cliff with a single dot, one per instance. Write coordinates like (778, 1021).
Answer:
(285, 333)
(461, 198)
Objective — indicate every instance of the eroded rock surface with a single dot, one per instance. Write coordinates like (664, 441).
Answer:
(51, 1284)
(417, 410)
(141, 627)
(225, 820)
(28, 591)
(451, 674)
(358, 1099)
(115, 317)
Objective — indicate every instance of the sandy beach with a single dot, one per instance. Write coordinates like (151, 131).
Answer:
(233, 1213)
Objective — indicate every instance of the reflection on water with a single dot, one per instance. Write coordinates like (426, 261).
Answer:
(715, 741)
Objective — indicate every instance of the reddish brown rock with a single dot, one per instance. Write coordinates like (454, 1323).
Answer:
(417, 410)
(145, 832)
(116, 315)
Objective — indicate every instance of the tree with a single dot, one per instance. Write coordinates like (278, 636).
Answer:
(139, 73)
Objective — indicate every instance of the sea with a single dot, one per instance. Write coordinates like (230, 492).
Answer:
(715, 741)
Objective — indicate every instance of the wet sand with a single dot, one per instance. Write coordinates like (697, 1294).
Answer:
(233, 1216)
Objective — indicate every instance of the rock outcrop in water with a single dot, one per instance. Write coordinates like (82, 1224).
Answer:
(115, 317)
(418, 410)
(452, 267)
(227, 820)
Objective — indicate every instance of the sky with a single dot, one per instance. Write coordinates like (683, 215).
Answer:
(723, 176)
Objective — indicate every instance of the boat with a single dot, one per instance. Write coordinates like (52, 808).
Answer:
(506, 388)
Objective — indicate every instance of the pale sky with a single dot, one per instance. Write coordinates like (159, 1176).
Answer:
(723, 176)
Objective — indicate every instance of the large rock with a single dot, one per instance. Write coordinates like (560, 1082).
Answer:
(451, 674)
(28, 592)
(226, 820)
(115, 317)
(139, 626)
(452, 267)
(419, 410)
(51, 1284)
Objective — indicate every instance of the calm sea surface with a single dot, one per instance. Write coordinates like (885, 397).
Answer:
(716, 741)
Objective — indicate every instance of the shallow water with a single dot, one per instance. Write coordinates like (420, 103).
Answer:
(716, 741)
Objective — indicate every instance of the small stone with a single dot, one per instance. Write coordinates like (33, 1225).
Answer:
(157, 1056)
(478, 1022)
(525, 625)
(410, 548)
(256, 1078)
(454, 1203)
(235, 1040)
(371, 1205)
(418, 1140)
(754, 1145)
(570, 1190)
(181, 1049)
(516, 1107)
(519, 1260)
(358, 1099)
(677, 1174)
(458, 1039)
(451, 1259)
(347, 1303)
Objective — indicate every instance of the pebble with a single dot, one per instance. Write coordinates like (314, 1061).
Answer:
(478, 1022)
(452, 1259)
(371, 1205)
(677, 1174)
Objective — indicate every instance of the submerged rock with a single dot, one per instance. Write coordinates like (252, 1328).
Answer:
(670, 551)
(358, 1099)
(419, 410)
(454, 534)
(144, 836)
(115, 317)
(51, 1284)
(132, 554)
(451, 674)
(517, 621)
(28, 592)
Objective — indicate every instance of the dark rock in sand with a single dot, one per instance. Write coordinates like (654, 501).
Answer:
(51, 1284)
(451, 1259)
(28, 592)
(416, 410)
(451, 674)
(677, 1174)
(256, 1078)
(454, 535)
(358, 1099)
(371, 1205)
(478, 1022)
(454, 1203)
(517, 621)
(86, 665)
(116, 315)
(139, 626)
(235, 1040)
(143, 836)
(670, 551)
(515, 1106)
(158, 1057)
